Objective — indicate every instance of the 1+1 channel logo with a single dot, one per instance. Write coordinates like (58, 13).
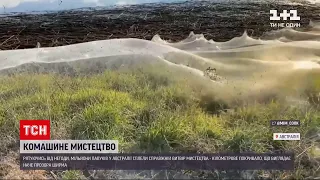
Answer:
(286, 15)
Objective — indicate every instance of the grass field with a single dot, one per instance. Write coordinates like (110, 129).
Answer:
(150, 112)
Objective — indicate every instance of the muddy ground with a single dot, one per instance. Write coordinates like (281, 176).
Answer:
(217, 21)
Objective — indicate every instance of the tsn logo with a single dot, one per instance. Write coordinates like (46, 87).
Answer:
(34, 129)
(292, 15)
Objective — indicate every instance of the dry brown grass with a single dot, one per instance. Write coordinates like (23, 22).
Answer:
(10, 169)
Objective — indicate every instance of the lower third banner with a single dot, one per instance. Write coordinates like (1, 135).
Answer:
(247, 161)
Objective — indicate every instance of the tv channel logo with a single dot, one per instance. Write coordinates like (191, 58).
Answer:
(292, 15)
(34, 129)
(286, 15)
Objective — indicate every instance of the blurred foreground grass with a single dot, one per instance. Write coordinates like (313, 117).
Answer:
(151, 112)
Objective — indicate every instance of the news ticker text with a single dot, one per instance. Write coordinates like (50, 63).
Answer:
(121, 161)
(294, 123)
(68, 146)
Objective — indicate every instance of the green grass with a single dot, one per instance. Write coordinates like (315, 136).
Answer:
(151, 112)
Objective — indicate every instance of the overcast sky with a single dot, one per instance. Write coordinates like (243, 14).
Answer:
(40, 5)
